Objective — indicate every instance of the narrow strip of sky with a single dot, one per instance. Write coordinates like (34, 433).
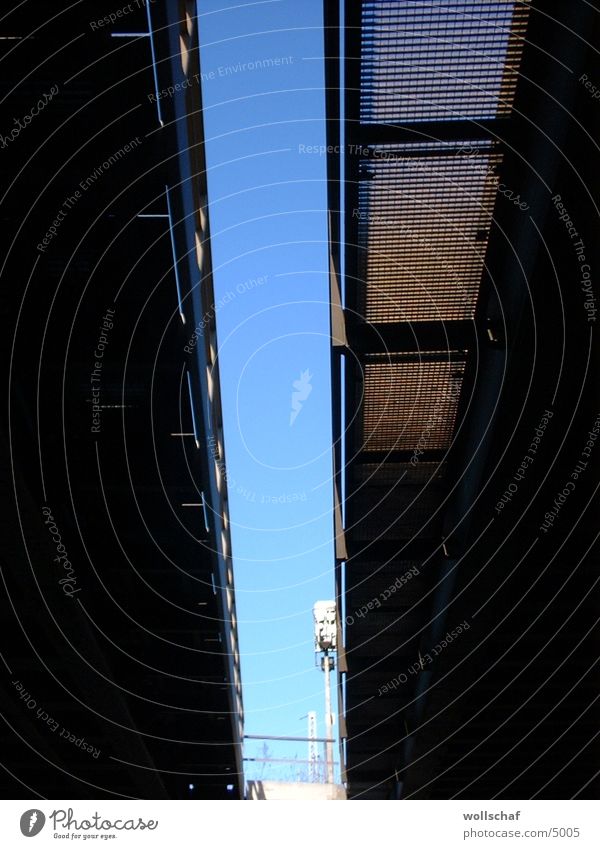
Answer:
(264, 117)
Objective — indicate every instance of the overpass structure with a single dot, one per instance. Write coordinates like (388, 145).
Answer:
(461, 148)
(118, 598)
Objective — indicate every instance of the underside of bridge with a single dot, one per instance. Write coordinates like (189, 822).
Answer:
(463, 198)
(118, 602)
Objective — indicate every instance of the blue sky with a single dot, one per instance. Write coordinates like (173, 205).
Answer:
(263, 91)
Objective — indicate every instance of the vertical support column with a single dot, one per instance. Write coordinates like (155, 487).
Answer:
(328, 720)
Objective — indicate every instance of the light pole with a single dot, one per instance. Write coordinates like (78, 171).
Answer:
(325, 620)
(313, 755)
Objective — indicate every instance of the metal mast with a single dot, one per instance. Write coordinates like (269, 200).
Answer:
(325, 621)
(313, 754)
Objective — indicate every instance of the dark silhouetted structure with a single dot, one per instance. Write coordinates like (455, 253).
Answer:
(121, 668)
(466, 402)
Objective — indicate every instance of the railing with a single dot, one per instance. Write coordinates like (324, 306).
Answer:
(266, 765)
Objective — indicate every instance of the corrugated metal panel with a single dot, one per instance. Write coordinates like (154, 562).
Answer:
(390, 600)
(424, 216)
(404, 512)
(438, 60)
(384, 474)
(395, 501)
(363, 570)
(382, 626)
(418, 213)
(410, 404)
